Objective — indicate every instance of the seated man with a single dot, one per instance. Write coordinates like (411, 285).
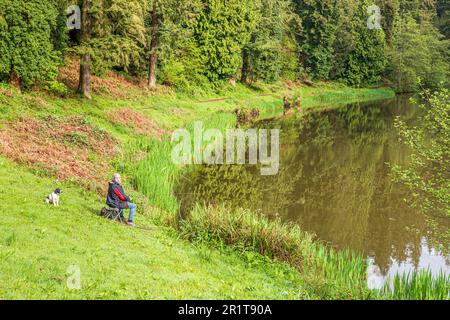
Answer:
(118, 199)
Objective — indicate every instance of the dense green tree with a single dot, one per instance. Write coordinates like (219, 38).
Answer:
(344, 35)
(221, 31)
(5, 54)
(418, 51)
(112, 33)
(118, 31)
(271, 48)
(442, 19)
(419, 9)
(28, 30)
(388, 10)
(60, 36)
(319, 24)
(406, 54)
(437, 68)
(190, 42)
(365, 59)
(169, 31)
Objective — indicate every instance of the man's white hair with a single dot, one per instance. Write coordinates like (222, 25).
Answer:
(115, 176)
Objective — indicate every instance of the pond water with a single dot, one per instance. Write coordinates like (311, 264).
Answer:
(334, 181)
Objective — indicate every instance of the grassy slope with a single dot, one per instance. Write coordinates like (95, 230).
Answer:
(38, 243)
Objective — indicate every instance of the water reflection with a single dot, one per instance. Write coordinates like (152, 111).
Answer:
(334, 181)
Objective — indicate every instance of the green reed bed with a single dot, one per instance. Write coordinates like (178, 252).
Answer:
(153, 171)
(245, 230)
(155, 174)
(330, 273)
(421, 285)
(346, 268)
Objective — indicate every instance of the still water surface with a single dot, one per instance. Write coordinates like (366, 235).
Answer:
(334, 181)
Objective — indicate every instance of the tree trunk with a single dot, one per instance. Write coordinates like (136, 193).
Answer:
(15, 81)
(153, 47)
(244, 73)
(84, 84)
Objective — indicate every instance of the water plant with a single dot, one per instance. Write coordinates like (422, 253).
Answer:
(420, 285)
(246, 231)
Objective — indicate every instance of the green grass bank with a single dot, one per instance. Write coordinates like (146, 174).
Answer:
(39, 243)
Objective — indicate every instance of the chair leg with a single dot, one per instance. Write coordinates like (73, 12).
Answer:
(116, 215)
(112, 214)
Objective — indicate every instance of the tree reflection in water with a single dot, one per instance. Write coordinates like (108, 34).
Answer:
(334, 181)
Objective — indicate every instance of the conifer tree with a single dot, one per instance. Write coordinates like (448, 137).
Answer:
(28, 53)
(366, 58)
(112, 33)
(221, 32)
(275, 28)
(319, 24)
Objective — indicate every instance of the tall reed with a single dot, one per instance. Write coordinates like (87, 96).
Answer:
(421, 285)
(156, 174)
(246, 230)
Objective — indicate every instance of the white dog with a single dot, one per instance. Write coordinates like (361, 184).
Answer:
(53, 198)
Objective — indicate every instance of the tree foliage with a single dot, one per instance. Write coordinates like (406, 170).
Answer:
(417, 51)
(176, 48)
(118, 33)
(221, 31)
(187, 43)
(365, 59)
(319, 20)
(271, 48)
(28, 52)
(428, 175)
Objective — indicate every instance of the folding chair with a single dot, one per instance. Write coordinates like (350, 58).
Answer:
(112, 214)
